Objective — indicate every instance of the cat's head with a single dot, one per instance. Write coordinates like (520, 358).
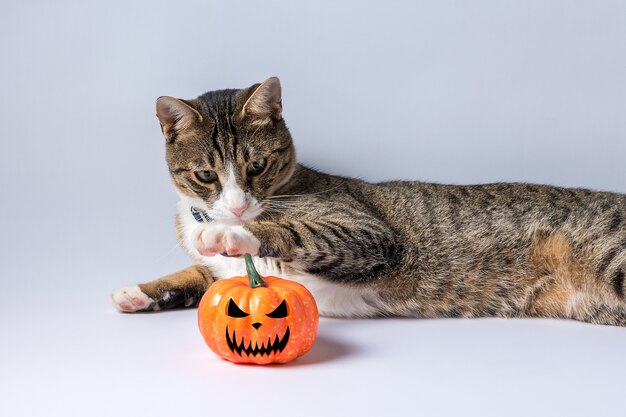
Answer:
(228, 150)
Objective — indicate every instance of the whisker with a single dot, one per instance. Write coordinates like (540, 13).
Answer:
(167, 254)
(285, 203)
(302, 195)
(284, 206)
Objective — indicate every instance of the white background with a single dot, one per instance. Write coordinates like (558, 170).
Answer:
(446, 91)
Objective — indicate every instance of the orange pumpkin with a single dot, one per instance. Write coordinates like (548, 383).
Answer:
(256, 319)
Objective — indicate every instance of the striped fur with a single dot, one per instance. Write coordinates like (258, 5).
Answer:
(417, 249)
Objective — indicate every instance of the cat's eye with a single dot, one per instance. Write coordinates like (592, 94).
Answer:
(280, 312)
(206, 176)
(256, 167)
(235, 311)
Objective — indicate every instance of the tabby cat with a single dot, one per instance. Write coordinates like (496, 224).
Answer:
(387, 249)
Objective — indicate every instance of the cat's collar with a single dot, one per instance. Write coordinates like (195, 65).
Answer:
(201, 216)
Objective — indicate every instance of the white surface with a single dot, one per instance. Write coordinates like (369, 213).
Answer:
(75, 356)
(449, 91)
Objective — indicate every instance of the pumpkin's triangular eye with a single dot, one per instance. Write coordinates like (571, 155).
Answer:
(235, 311)
(280, 311)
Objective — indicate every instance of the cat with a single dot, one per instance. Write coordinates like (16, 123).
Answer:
(395, 248)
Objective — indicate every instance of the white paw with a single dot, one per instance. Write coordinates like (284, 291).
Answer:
(131, 299)
(230, 240)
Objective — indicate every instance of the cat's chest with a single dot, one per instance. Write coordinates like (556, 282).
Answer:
(333, 299)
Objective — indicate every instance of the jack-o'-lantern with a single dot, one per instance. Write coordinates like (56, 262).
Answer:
(256, 319)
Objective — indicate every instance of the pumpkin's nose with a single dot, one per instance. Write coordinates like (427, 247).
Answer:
(256, 325)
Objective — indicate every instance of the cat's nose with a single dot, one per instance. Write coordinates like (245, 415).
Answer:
(239, 210)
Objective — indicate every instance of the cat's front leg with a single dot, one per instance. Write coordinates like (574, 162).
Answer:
(219, 239)
(333, 248)
(180, 289)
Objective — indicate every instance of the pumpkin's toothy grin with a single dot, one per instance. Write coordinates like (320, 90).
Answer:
(253, 350)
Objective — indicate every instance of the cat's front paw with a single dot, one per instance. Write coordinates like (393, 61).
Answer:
(131, 299)
(227, 240)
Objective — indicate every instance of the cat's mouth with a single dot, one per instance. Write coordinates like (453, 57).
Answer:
(253, 349)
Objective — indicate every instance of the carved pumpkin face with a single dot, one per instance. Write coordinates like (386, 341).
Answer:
(258, 320)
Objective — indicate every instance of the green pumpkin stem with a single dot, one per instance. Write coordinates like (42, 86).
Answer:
(253, 275)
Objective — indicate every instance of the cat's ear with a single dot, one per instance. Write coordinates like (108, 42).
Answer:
(265, 102)
(175, 116)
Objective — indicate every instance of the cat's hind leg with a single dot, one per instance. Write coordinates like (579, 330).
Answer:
(180, 289)
(602, 314)
(562, 301)
(566, 286)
